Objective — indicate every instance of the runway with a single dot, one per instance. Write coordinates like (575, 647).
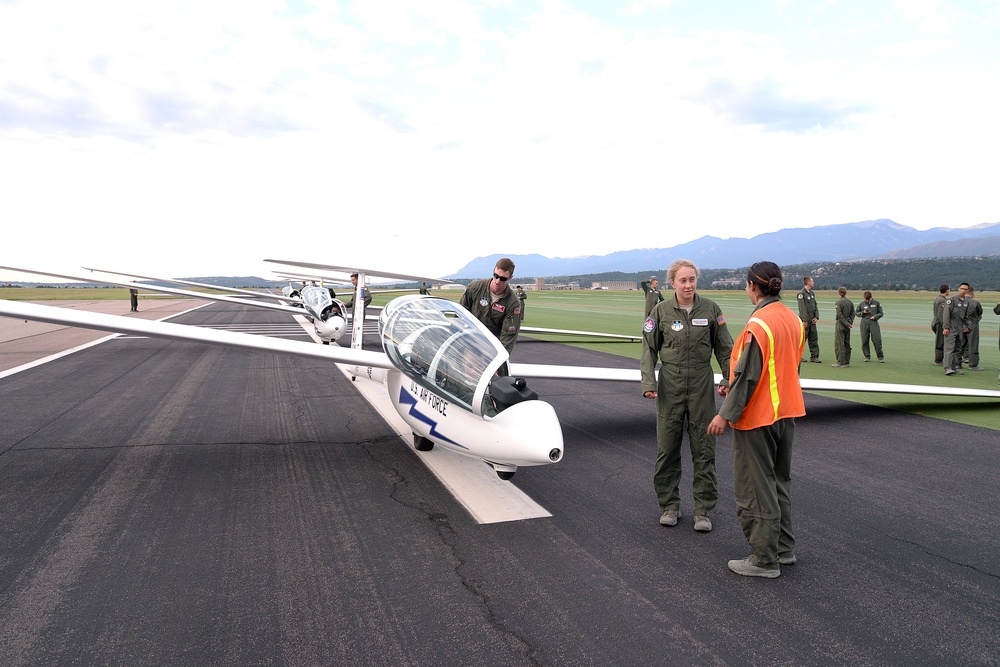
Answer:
(172, 503)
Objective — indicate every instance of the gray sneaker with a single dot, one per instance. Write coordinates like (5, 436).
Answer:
(669, 517)
(748, 569)
(787, 559)
(702, 524)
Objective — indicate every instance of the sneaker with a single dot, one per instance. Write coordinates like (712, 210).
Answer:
(938, 363)
(669, 517)
(748, 569)
(881, 361)
(949, 371)
(837, 365)
(959, 371)
(787, 559)
(702, 524)
(845, 365)
(815, 360)
(976, 368)
(867, 359)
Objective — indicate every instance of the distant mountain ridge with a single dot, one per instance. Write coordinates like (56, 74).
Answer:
(870, 239)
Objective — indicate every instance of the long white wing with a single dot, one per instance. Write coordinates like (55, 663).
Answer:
(355, 269)
(179, 281)
(292, 310)
(134, 325)
(574, 332)
(551, 372)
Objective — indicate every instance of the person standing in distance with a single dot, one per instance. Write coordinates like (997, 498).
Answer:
(870, 312)
(494, 303)
(937, 326)
(842, 330)
(761, 405)
(809, 314)
(955, 326)
(970, 351)
(523, 297)
(683, 333)
(653, 296)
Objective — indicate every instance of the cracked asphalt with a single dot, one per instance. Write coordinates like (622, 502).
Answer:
(170, 503)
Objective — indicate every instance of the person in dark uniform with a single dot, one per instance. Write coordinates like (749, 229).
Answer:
(653, 296)
(494, 303)
(809, 314)
(133, 296)
(842, 330)
(683, 333)
(761, 404)
(368, 294)
(523, 297)
(870, 312)
(970, 351)
(955, 325)
(423, 289)
(936, 325)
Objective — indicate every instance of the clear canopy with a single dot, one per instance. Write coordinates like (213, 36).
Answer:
(442, 347)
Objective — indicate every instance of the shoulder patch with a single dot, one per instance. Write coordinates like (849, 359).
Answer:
(801, 295)
(721, 319)
(649, 325)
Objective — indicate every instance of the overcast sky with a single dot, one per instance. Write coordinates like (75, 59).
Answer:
(190, 139)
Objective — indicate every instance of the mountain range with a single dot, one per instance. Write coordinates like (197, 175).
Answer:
(853, 241)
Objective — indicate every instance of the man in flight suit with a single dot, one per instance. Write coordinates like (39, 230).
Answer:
(955, 325)
(936, 325)
(495, 304)
(970, 351)
(683, 333)
(870, 312)
(809, 314)
(652, 289)
(842, 329)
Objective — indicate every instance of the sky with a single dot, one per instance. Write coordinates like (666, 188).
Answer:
(199, 138)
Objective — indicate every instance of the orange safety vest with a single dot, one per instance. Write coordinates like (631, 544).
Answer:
(781, 337)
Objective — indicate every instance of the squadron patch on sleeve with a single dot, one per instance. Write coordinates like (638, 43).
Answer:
(800, 296)
(721, 319)
(649, 325)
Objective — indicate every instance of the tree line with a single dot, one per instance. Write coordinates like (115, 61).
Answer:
(983, 273)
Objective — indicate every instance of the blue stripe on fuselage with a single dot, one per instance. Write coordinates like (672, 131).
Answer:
(405, 398)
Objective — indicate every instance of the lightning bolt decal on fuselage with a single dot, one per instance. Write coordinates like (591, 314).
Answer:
(405, 398)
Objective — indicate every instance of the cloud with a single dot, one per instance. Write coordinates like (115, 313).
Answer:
(763, 104)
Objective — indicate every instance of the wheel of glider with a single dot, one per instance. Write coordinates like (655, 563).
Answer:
(505, 474)
(422, 444)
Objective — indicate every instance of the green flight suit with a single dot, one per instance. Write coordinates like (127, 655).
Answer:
(762, 466)
(954, 318)
(842, 331)
(808, 311)
(936, 327)
(684, 344)
(653, 296)
(970, 350)
(502, 317)
(870, 312)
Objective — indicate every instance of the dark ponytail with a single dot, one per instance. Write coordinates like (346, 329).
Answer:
(767, 277)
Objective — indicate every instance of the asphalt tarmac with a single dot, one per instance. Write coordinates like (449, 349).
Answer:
(172, 503)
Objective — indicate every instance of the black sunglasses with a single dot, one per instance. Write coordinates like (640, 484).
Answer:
(502, 279)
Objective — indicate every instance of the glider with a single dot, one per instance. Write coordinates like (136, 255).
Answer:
(446, 375)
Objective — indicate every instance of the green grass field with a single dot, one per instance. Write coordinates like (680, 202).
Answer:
(907, 339)
(907, 342)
